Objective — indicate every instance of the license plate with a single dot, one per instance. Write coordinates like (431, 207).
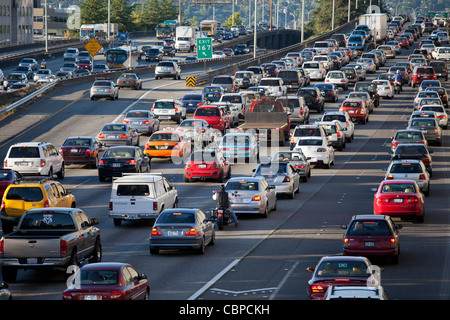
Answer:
(202, 166)
(74, 150)
(173, 233)
(92, 297)
(369, 244)
(22, 163)
(164, 117)
(32, 260)
(398, 200)
(111, 137)
(116, 165)
(351, 111)
(162, 147)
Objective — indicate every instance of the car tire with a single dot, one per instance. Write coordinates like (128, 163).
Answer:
(154, 250)
(117, 222)
(61, 172)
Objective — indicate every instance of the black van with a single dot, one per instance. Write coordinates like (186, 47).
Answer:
(369, 87)
(440, 68)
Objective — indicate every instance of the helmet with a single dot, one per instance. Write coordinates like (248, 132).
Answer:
(398, 71)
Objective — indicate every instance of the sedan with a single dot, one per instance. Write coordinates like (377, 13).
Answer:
(213, 93)
(416, 151)
(440, 112)
(104, 89)
(27, 70)
(199, 132)
(298, 161)
(130, 80)
(143, 121)
(118, 134)
(167, 144)
(399, 198)
(182, 229)
(100, 67)
(122, 159)
(82, 150)
(29, 62)
(7, 177)
(69, 66)
(108, 281)
(336, 270)
(14, 78)
(84, 64)
(317, 150)
(329, 91)
(410, 169)
(429, 127)
(384, 88)
(251, 195)
(282, 175)
(42, 74)
(207, 164)
(406, 137)
(192, 101)
(372, 235)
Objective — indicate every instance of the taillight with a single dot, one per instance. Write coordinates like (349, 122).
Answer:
(155, 206)
(115, 295)
(88, 152)
(156, 232)
(317, 289)
(110, 206)
(126, 121)
(390, 177)
(132, 161)
(146, 122)
(42, 164)
(286, 179)
(422, 177)
(123, 136)
(63, 247)
(101, 136)
(2, 246)
(3, 205)
(256, 198)
(191, 232)
(346, 243)
(46, 204)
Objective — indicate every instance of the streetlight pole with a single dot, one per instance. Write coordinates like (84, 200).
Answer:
(254, 35)
(109, 20)
(46, 27)
(332, 16)
(303, 20)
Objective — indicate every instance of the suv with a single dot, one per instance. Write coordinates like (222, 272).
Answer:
(275, 86)
(169, 109)
(371, 88)
(140, 196)
(226, 82)
(153, 54)
(168, 69)
(292, 79)
(313, 98)
(346, 122)
(297, 108)
(440, 68)
(35, 158)
(306, 130)
(335, 133)
(29, 193)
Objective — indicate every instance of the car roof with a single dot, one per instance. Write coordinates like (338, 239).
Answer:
(141, 177)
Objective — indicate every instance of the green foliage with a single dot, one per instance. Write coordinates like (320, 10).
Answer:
(237, 20)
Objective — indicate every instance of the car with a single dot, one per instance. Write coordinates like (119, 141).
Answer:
(107, 281)
(169, 50)
(333, 270)
(245, 79)
(130, 80)
(83, 55)
(357, 110)
(29, 193)
(368, 64)
(228, 83)
(275, 86)
(168, 144)
(207, 164)
(329, 91)
(41, 74)
(415, 151)
(306, 130)
(59, 75)
(425, 94)
(169, 109)
(399, 198)
(270, 69)
(118, 160)
(100, 67)
(7, 177)
(335, 133)
(440, 68)
(297, 109)
(429, 127)
(82, 150)
(351, 74)
(418, 62)
(84, 64)
(191, 101)
(69, 66)
(429, 83)
(199, 132)
(362, 95)
(239, 146)
(389, 50)
(228, 52)
(384, 88)
(410, 169)
(166, 69)
(154, 54)
(35, 158)
(25, 69)
(212, 93)
(29, 62)
(104, 89)
(316, 70)
(356, 42)
(251, 195)
(282, 175)
(402, 70)
(441, 114)
(143, 121)
(257, 71)
(18, 86)
(429, 102)
(338, 78)
(298, 161)
(240, 48)
(442, 92)
(239, 100)
(116, 133)
(182, 228)
(406, 137)
(421, 73)
(372, 236)
(344, 118)
(313, 98)
(317, 150)
(327, 60)
(70, 54)
(360, 292)
(214, 115)
(14, 77)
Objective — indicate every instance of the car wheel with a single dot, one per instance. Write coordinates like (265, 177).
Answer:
(61, 172)
(154, 250)
(117, 222)
(201, 249)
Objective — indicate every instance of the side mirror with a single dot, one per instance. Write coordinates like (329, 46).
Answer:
(143, 276)
(398, 226)
(310, 269)
(343, 226)
(374, 189)
(94, 221)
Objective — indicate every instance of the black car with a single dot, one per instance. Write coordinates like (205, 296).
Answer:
(313, 98)
(192, 100)
(27, 70)
(292, 79)
(122, 159)
(442, 92)
(169, 51)
(340, 38)
(415, 151)
(270, 69)
(371, 88)
(329, 91)
(240, 49)
(153, 54)
(440, 68)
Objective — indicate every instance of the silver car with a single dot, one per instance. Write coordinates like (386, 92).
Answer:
(429, 127)
(251, 195)
(113, 134)
(441, 114)
(410, 169)
(104, 89)
(198, 131)
(42, 74)
(297, 159)
(282, 175)
(168, 69)
(143, 121)
(315, 69)
(69, 66)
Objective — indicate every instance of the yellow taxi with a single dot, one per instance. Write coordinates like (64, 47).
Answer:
(166, 144)
(30, 193)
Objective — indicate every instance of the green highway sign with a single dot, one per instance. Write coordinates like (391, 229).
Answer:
(204, 48)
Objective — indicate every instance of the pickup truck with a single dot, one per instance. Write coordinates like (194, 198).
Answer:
(267, 118)
(50, 238)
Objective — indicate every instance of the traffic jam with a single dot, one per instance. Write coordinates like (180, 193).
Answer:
(290, 118)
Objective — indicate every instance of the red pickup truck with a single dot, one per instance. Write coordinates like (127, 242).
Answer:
(267, 118)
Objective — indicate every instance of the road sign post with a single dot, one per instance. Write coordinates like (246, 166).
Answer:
(204, 49)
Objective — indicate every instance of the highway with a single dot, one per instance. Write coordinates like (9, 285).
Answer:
(262, 259)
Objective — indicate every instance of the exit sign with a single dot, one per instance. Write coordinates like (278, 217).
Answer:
(204, 48)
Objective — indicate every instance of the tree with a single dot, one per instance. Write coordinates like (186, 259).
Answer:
(237, 20)
(121, 13)
(94, 11)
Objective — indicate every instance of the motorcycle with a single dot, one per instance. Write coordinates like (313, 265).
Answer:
(397, 87)
(43, 65)
(222, 217)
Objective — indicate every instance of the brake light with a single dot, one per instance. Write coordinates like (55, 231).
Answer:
(88, 152)
(110, 206)
(132, 161)
(115, 295)
(46, 204)
(422, 177)
(123, 136)
(62, 246)
(317, 289)
(256, 198)
(346, 244)
(286, 179)
(156, 232)
(3, 205)
(413, 200)
(42, 164)
(191, 232)
(155, 206)
(2, 246)
(102, 162)
(126, 121)
(101, 136)
(390, 177)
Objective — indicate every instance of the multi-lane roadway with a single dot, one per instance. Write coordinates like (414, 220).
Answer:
(262, 259)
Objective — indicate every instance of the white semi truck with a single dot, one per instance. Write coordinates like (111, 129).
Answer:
(377, 22)
(185, 38)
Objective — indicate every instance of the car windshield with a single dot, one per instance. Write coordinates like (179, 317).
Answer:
(309, 142)
(368, 228)
(165, 137)
(176, 217)
(97, 277)
(406, 167)
(242, 185)
(342, 269)
(47, 220)
(24, 152)
(77, 142)
(119, 153)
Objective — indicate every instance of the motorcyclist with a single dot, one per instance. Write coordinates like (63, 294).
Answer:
(223, 202)
(398, 79)
(43, 64)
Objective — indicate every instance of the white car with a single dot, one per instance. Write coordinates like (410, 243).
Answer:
(344, 118)
(316, 69)
(316, 150)
(169, 109)
(239, 76)
(410, 169)
(384, 88)
(338, 78)
(42, 74)
(217, 54)
(326, 60)
(274, 85)
(71, 54)
(335, 134)
(441, 114)
(69, 66)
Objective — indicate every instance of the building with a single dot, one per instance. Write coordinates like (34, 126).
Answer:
(16, 22)
(56, 23)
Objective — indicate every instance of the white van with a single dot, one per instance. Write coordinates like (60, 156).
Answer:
(141, 196)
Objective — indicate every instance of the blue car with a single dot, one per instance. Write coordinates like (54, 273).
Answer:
(192, 100)
(356, 42)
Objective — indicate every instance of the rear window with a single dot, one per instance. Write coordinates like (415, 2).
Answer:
(311, 65)
(352, 104)
(225, 80)
(339, 268)
(289, 75)
(402, 149)
(133, 190)
(137, 114)
(369, 228)
(77, 142)
(114, 127)
(47, 220)
(269, 82)
(176, 217)
(290, 103)
(24, 152)
(232, 98)
(197, 97)
(164, 137)
(398, 187)
(97, 277)
(406, 168)
(425, 70)
(207, 112)
(307, 132)
(164, 105)
(309, 142)
(331, 117)
(266, 107)
(119, 153)
(242, 185)
(320, 45)
(31, 194)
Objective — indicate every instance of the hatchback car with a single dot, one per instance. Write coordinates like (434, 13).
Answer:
(143, 121)
(182, 229)
(108, 281)
(399, 198)
(317, 150)
(356, 109)
(282, 175)
(168, 69)
(104, 89)
(113, 134)
(362, 95)
(333, 270)
(207, 164)
(329, 91)
(372, 235)
(82, 150)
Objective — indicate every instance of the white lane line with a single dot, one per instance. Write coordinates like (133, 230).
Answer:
(283, 281)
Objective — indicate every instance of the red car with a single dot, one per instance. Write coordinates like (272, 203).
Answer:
(403, 42)
(207, 165)
(84, 64)
(107, 281)
(372, 235)
(356, 109)
(214, 115)
(7, 177)
(340, 270)
(82, 150)
(421, 73)
(399, 198)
